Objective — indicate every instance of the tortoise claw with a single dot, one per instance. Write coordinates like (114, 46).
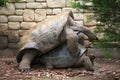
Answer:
(21, 70)
(24, 67)
(24, 70)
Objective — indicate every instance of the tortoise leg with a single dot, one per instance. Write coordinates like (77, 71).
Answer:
(85, 30)
(87, 63)
(92, 57)
(25, 63)
(72, 41)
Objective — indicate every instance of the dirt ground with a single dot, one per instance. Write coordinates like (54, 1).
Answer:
(105, 69)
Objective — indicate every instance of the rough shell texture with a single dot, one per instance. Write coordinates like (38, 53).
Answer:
(60, 57)
(44, 36)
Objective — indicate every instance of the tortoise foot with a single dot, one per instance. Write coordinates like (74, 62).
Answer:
(24, 67)
(90, 69)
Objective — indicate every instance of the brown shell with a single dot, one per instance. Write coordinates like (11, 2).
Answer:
(44, 36)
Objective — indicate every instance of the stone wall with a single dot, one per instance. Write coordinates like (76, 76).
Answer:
(18, 17)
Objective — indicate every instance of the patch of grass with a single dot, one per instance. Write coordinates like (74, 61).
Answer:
(106, 53)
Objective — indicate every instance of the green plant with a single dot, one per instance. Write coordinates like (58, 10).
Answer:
(106, 53)
(3, 2)
(107, 14)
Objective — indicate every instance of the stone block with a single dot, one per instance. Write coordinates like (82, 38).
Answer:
(56, 11)
(67, 9)
(79, 22)
(78, 16)
(89, 19)
(3, 18)
(8, 10)
(19, 12)
(28, 15)
(20, 5)
(40, 14)
(41, 0)
(30, 0)
(13, 45)
(36, 5)
(17, 1)
(100, 35)
(4, 33)
(67, 2)
(3, 42)
(50, 16)
(56, 3)
(14, 25)
(49, 11)
(21, 32)
(3, 26)
(13, 36)
(27, 25)
(22, 1)
(92, 28)
(71, 9)
(12, 0)
(3, 29)
(15, 18)
(89, 4)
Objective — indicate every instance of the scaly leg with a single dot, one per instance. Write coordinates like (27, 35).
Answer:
(87, 63)
(85, 30)
(24, 65)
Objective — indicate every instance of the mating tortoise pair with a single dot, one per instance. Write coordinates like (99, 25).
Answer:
(54, 42)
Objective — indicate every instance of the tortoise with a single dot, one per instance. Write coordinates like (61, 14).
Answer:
(60, 57)
(49, 34)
